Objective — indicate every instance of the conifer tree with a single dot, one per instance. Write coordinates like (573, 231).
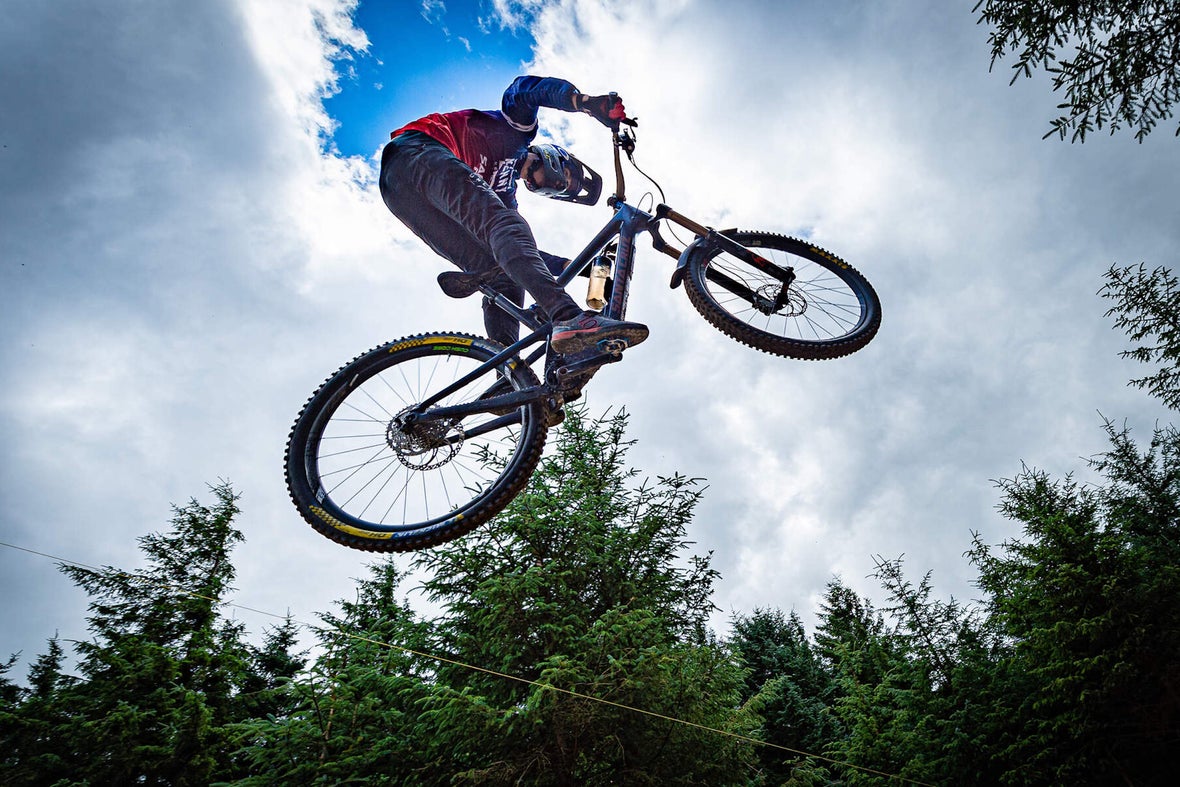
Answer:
(578, 592)
(32, 743)
(876, 683)
(354, 715)
(11, 723)
(9, 691)
(160, 676)
(951, 651)
(788, 686)
(1117, 64)
(1147, 307)
(582, 586)
(1089, 598)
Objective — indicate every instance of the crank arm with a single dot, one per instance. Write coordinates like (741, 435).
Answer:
(593, 362)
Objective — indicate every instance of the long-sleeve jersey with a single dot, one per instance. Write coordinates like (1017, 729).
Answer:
(493, 143)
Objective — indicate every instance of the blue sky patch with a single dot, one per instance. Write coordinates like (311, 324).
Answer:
(423, 57)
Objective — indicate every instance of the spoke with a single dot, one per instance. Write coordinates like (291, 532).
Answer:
(831, 308)
(352, 470)
(437, 472)
(400, 495)
(368, 447)
(366, 484)
(376, 494)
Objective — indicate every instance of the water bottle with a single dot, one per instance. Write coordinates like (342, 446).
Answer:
(599, 273)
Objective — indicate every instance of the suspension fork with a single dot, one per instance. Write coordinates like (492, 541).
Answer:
(715, 238)
(712, 237)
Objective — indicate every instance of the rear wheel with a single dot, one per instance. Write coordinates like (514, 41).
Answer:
(366, 473)
(823, 308)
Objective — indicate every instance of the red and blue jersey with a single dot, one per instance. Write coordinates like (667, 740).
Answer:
(493, 142)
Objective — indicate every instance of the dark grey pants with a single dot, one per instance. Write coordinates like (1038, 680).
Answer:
(456, 213)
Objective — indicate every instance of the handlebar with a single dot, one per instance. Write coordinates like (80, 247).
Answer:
(624, 140)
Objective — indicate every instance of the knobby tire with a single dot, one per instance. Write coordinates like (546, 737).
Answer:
(831, 309)
(359, 480)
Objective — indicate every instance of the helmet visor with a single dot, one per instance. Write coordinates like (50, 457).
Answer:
(554, 173)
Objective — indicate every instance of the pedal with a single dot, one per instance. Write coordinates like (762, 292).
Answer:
(613, 347)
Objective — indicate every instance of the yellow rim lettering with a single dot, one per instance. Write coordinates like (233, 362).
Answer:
(828, 256)
(352, 531)
(459, 340)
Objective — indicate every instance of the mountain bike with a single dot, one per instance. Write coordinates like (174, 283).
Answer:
(423, 439)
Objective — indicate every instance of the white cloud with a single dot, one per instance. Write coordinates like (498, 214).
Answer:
(863, 130)
(296, 45)
(432, 10)
(184, 264)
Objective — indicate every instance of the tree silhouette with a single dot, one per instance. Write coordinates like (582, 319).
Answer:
(1147, 307)
(1117, 62)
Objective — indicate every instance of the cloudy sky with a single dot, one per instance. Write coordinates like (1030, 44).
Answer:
(191, 241)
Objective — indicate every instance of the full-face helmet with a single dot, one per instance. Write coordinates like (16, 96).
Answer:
(553, 171)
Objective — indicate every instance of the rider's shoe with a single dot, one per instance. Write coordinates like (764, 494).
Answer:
(591, 329)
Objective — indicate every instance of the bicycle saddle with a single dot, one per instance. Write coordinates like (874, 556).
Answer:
(461, 284)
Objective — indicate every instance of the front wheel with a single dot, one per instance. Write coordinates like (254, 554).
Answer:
(782, 296)
(365, 469)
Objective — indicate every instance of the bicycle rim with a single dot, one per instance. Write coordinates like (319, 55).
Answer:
(828, 310)
(364, 481)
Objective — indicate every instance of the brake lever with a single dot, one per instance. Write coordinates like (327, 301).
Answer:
(626, 142)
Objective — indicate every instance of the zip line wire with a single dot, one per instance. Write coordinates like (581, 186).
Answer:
(475, 668)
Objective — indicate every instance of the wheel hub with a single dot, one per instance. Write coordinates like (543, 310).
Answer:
(768, 294)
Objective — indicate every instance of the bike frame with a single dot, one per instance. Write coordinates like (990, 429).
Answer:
(625, 225)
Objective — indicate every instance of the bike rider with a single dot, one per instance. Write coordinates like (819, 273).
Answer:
(451, 179)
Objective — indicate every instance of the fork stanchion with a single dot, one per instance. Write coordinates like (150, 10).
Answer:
(664, 212)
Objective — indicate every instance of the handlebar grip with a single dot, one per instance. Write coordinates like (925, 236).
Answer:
(614, 99)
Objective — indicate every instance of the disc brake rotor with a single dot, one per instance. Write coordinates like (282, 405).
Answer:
(796, 304)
